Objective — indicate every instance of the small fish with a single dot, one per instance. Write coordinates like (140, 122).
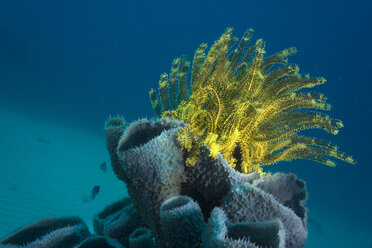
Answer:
(42, 140)
(85, 198)
(94, 192)
(103, 166)
(92, 195)
(13, 188)
(317, 226)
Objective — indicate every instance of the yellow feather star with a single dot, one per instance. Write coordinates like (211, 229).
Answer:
(246, 106)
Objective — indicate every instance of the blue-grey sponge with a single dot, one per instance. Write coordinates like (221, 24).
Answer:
(210, 180)
(182, 222)
(99, 242)
(220, 233)
(141, 238)
(63, 232)
(288, 190)
(115, 127)
(247, 203)
(118, 221)
(152, 163)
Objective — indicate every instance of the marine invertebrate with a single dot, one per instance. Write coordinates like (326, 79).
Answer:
(181, 221)
(114, 128)
(246, 106)
(262, 206)
(287, 189)
(220, 232)
(49, 233)
(99, 242)
(215, 205)
(163, 190)
(151, 165)
(141, 238)
(118, 220)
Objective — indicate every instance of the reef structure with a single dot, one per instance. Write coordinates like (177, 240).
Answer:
(206, 205)
(65, 232)
(194, 175)
(175, 205)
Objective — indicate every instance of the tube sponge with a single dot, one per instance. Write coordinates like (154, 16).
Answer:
(288, 190)
(154, 170)
(247, 203)
(48, 233)
(263, 233)
(115, 126)
(118, 221)
(141, 238)
(153, 167)
(181, 221)
(210, 180)
(220, 233)
(100, 242)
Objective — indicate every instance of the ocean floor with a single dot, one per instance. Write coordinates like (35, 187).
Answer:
(47, 169)
(328, 230)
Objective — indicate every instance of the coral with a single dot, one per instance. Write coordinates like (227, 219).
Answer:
(246, 106)
(48, 233)
(163, 189)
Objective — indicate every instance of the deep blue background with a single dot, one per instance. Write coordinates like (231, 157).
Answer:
(76, 62)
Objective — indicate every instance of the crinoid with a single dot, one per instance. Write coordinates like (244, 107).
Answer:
(246, 106)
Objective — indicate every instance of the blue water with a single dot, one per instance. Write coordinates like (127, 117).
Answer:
(66, 65)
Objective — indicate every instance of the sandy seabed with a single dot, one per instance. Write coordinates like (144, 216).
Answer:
(46, 169)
